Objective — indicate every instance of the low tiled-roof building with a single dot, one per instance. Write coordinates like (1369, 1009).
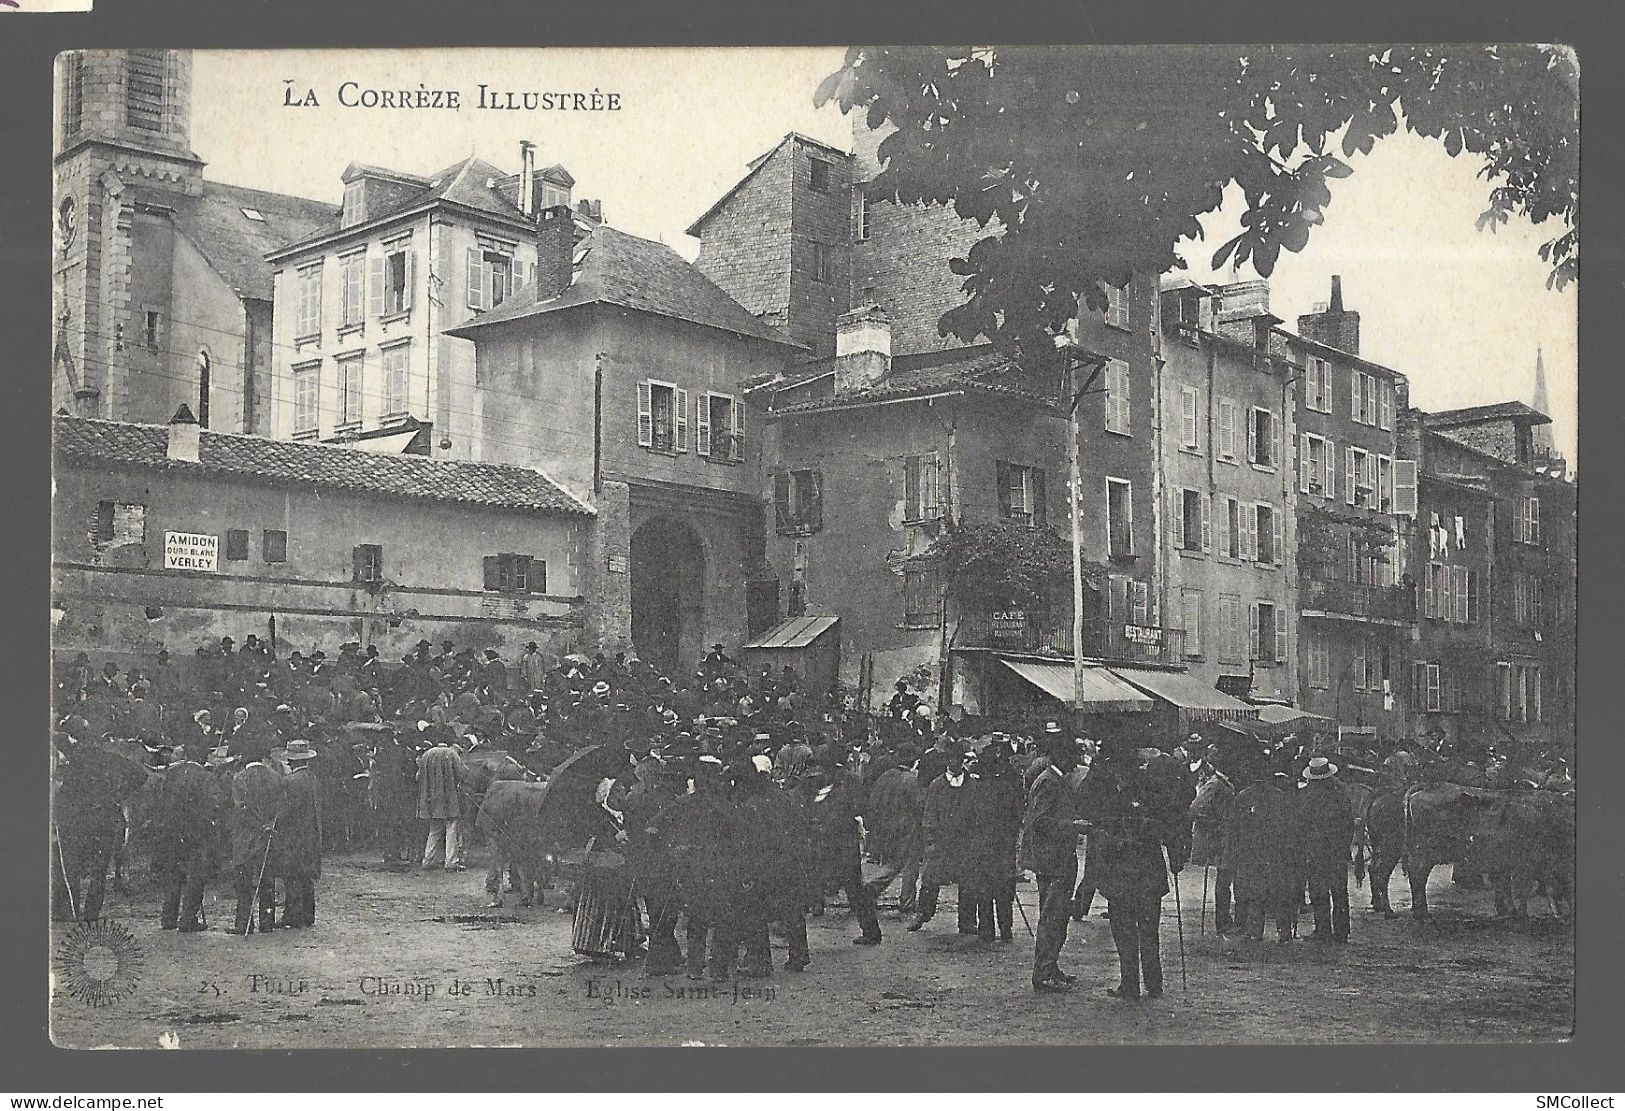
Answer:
(173, 537)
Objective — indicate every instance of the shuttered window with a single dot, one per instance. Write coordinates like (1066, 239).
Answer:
(274, 545)
(1227, 430)
(307, 384)
(1119, 517)
(922, 487)
(1021, 493)
(1189, 418)
(236, 544)
(396, 360)
(1117, 398)
(350, 383)
(308, 322)
(922, 597)
(367, 563)
(351, 279)
(1190, 604)
(798, 502)
(515, 574)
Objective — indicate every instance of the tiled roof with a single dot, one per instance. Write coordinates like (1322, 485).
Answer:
(980, 370)
(1501, 410)
(621, 269)
(236, 244)
(111, 443)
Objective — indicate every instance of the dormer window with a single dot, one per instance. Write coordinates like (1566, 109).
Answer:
(354, 207)
(555, 196)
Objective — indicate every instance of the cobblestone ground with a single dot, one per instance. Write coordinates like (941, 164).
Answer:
(407, 960)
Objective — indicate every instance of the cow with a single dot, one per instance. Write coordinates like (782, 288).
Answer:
(1528, 838)
(1418, 828)
(511, 815)
(87, 809)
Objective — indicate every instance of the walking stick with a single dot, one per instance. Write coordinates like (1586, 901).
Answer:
(1201, 928)
(1179, 917)
(1024, 919)
(259, 881)
(67, 880)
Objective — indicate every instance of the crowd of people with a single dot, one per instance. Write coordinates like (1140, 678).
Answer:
(728, 802)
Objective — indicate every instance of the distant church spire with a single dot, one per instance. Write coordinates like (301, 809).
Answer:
(1541, 403)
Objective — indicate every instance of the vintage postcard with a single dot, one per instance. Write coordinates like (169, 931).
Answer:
(813, 546)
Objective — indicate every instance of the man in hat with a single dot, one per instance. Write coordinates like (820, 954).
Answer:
(1209, 815)
(298, 852)
(256, 804)
(532, 668)
(946, 824)
(1049, 849)
(141, 718)
(832, 812)
(441, 775)
(391, 792)
(989, 875)
(185, 820)
(1134, 818)
(1268, 878)
(1323, 818)
(902, 702)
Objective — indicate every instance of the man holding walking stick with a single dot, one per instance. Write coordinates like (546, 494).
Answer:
(1049, 849)
(1133, 819)
(256, 802)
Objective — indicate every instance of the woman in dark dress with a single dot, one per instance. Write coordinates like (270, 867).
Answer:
(605, 924)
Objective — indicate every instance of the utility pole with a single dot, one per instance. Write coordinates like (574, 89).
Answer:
(1078, 361)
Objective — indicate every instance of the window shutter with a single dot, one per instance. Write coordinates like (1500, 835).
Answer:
(478, 279)
(1446, 604)
(815, 512)
(702, 425)
(1354, 396)
(737, 448)
(912, 498)
(1304, 459)
(1433, 687)
(1385, 406)
(493, 572)
(931, 475)
(410, 281)
(1276, 445)
(1430, 606)
(680, 432)
(1405, 487)
(1002, 475)
(357, 563)
(1187, 413)
(1038, 509)
(536, 572)
(781, 502)
(1458, 590)
(1280, 635)
(1177, 525)
(1252, 630)
(375, 286)
(1472, 596)
(1279, 551)
(1207, 522)
(1252, 435)
(645, 416)
(1534, 520)
(1249, 532)
(1349, 478)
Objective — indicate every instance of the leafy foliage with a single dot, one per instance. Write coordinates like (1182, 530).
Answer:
(1323, 536)
(1094, 165)
(1003, 564)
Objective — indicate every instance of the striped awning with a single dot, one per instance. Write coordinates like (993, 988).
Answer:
(1103, 692)
(796, 632)
(1188, 693)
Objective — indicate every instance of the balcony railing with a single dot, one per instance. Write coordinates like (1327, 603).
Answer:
(1038, 632)
(1360, 600)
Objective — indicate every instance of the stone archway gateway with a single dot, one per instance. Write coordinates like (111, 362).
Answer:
(668, 594)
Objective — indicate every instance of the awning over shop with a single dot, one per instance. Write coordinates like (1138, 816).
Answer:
(1188, 693)
(1103, 692)
(796, 632)
(1291, 715)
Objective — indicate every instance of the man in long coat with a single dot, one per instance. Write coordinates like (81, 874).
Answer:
(256, 804)
(989, 873)
(1049, 848)
(892, 814)
(1133, 819)
(392, 794)
(186, 816)
(1265, 856)
(1323, 829)
(1210, 842)
(831, 807)
(298, 850)
(87, 809)
(946, 824)
(441, 774)
(651, 864)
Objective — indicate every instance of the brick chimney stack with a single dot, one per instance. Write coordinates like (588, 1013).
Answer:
(862, 348)
(184, 436)
(527, 177)
(1334, 326)
(555, 251)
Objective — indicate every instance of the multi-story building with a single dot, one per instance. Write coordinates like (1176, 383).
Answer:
(1356, 496)
(160, 288)
(364, 305)
(1230, 487)
(621, 372)
(1517, 683)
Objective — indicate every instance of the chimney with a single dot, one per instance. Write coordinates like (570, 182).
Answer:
(1333, 325)
(862, 348)
(555, 251)
(527, 177)
(184, 436)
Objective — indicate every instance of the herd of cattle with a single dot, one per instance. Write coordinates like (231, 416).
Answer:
(1520, 840)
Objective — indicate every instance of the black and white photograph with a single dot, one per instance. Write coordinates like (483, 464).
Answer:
(813, 546)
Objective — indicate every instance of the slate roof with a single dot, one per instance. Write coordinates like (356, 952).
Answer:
(981, 370)
(277, 462)
(1501, 410)
(621, 269)
(235, 244)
